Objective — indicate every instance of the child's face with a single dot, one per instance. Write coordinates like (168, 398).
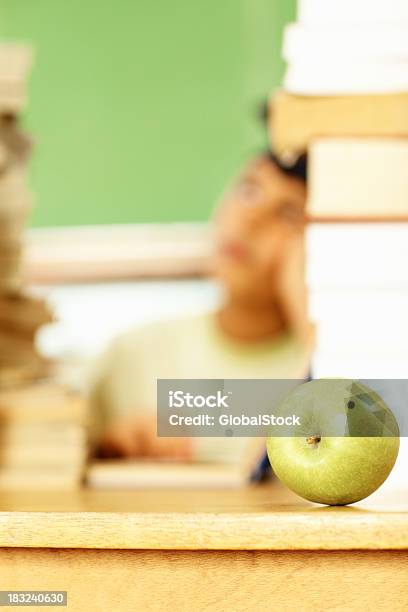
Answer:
(255, 224)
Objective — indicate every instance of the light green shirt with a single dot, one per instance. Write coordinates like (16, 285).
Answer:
(125, 378)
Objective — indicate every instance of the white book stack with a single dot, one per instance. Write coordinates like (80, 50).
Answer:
(358, 283)
(358, 288)
(358, 292)
(344, 103)
(357, 182)
(344, 47)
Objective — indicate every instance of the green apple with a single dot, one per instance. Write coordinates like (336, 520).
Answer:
(345, 446)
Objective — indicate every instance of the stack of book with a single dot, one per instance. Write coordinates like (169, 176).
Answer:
(358, 288)
(42, 438)
(345, 104)
(347, 48)
(42, 425)
(20, 314)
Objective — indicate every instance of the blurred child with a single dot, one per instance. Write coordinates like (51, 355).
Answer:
(260, 329)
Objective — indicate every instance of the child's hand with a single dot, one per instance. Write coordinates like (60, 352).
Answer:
(136, 437)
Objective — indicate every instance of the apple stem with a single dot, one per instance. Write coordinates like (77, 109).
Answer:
(313, 440)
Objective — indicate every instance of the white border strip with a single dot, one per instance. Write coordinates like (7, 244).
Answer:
(116, 252)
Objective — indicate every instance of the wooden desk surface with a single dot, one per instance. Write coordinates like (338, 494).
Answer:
(255, 518)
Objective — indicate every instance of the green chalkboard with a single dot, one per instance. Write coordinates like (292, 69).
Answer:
(142, 109)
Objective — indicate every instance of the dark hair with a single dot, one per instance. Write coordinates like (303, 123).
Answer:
(263, 112)
(292, 165)
(295, 167)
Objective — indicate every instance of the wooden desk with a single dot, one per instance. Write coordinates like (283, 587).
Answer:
(259, 548)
